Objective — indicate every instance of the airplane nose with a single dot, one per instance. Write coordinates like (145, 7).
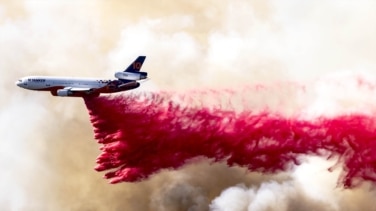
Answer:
(18, 83)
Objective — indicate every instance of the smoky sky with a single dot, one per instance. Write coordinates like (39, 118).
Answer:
(47, 148)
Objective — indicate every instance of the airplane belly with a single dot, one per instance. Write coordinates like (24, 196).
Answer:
(118, 87)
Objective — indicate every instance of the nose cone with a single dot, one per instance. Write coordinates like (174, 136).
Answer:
(19, 83)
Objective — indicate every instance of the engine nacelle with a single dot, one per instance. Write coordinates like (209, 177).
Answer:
(63, 92)
(131, 75)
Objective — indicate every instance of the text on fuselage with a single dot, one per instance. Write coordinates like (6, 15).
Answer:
(36, 80)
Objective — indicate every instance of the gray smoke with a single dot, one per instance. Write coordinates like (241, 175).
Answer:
(48, 152)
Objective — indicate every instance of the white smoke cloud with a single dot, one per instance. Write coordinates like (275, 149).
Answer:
(270, 196)
(47, 147)
(311, 187)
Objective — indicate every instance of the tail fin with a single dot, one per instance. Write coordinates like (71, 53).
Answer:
(136, 65)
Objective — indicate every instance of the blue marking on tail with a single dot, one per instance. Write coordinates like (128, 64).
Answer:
(136, 65)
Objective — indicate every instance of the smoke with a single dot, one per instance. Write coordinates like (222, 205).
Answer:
(48, 151)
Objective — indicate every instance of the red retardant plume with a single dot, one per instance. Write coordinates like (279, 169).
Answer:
(142, 134)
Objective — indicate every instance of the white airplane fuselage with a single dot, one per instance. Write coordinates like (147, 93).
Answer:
(81, 87)
(75, 87)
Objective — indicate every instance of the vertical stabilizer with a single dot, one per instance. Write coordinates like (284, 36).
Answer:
(136, 65)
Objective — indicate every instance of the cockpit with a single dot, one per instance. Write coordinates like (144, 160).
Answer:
(21, 83)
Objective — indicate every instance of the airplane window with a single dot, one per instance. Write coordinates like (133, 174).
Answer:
(19, 80)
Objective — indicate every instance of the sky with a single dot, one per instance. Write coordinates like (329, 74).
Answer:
(48, 152)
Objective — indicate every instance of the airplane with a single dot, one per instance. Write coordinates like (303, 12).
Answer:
(87, 87)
